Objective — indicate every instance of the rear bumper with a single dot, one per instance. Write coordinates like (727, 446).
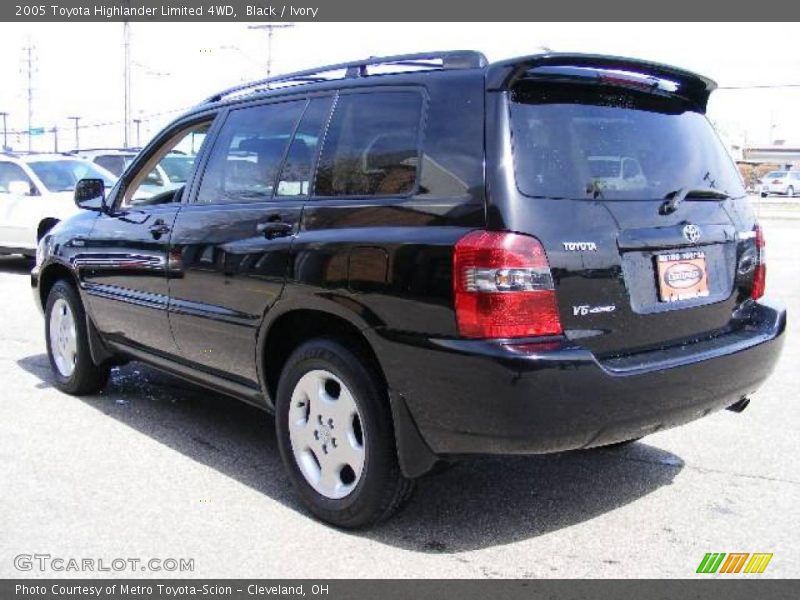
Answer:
(775, 189)
(468, 397)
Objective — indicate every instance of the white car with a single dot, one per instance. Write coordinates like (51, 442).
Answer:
(786, 183)
(36, 192)
(616, 173)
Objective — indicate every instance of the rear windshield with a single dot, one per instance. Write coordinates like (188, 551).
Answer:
(62, 175)
(605, 142)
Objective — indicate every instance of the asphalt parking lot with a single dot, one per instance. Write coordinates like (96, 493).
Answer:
(153, 467)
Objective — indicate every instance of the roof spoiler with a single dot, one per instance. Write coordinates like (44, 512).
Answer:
(695, 88)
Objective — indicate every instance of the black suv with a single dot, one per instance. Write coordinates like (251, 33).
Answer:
(413, 258)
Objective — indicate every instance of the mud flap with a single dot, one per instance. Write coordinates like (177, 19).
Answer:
(413, 453)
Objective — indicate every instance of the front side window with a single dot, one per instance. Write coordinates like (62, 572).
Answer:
(249, 150)
(177, 167)
(371, 146)
(593, 142)
(148, 186)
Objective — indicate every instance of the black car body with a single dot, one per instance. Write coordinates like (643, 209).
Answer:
(390, 203)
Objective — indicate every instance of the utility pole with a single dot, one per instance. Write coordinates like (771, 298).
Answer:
(77, 137)
(126, 73)
(5, 130)
(771, 127)
(270, 28)
(55, 138)
(29, 61)
(138, 139)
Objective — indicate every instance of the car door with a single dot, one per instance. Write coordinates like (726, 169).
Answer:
(231, 244)
(125, 262)
(18, 207)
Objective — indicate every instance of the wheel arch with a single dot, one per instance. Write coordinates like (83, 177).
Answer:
(288, 330)
(291, 328)
(45, 225)
(51, 274)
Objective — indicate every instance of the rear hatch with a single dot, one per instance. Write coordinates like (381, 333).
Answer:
(619, 174)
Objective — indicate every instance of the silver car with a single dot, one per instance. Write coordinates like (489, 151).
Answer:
(786, 183)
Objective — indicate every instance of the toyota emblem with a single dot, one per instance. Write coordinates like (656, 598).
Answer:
(691, 233)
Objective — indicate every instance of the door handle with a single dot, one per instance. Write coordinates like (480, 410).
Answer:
(159, 228)
(274, 228)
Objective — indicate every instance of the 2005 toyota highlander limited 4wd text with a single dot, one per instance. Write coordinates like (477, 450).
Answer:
(415, 258)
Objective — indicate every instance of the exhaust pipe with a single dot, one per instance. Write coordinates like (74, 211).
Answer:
(739, 406)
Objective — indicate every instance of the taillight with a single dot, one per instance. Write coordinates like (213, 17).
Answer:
(503, 287)
(760, 272)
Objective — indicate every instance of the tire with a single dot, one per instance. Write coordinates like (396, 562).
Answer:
(68, 343)
(763, 194)
(336, 438)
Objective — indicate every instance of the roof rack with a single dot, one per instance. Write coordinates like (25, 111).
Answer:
(438, 61)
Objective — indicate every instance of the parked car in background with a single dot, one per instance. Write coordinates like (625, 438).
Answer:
(114, 160)
(36, 192)
(616, 173)
(785, 183)
(170, 173)
(406, 267)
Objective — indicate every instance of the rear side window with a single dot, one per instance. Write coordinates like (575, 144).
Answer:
(371, 147)
(248, 152)
(605, 142)
(9, 172)
(297, 171)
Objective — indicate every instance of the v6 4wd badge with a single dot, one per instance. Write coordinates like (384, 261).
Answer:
(584, 309)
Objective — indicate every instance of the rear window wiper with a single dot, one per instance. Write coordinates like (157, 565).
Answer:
(674, 199)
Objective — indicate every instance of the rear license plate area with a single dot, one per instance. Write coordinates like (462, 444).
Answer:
(682, 276)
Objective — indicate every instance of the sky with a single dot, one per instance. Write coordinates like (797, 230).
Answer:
(79, 66)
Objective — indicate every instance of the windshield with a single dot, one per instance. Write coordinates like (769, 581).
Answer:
(585, 142)
(177, 168)
(62, 175)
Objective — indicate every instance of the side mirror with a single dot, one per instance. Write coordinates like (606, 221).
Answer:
(90, 194)
(20, 188)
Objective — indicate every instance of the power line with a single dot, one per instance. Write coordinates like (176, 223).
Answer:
(771, 86)
(143, 118)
